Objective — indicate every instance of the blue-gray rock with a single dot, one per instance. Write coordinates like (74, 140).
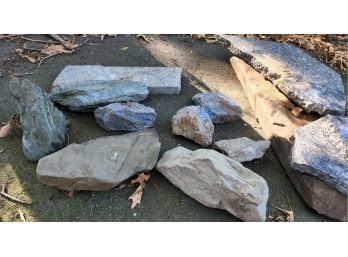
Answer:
(309, 83)
(125, 117)
(321, 149)
(159, 80)
(87, 95)
(193, 123)
(100, 164)
(220, 108)
(43, 124)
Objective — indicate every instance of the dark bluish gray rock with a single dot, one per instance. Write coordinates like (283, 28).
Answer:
(306, 81)
(102, 163)
(220, 108)
(125, 117)
(159, 80)
(84, 96)
(193, 123)
(321, 149)
(216, 181)
(43, 124)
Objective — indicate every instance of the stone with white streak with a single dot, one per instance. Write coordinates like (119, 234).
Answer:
(102, 163)
(216, 181)
(243, 149)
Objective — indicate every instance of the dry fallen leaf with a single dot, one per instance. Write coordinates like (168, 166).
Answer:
(6, 130)
(143, 37)
(296, 111)
(289, 214)
(124, 48)
(208, 38)
(31, 59)
(136, 196)
(56, 49)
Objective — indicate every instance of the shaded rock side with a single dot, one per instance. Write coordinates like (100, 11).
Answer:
(220, 108)
(43, 124)
(102, 163)
(87, 95)
(158, 80)
(243, 149)
(321, 149)
(309, 83)
(193, 123)
(125, 117)
(216, 181)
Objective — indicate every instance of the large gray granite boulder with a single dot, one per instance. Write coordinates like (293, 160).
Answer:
(306, 81)
(125, 116)
(43, 124)
(193, 123)
(243, 149)
(102, 163)
(220, 108)
(87, 95)
(321, 149)
(159, 80)
(216, 181)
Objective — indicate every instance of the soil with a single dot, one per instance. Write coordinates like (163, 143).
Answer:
(205, 66)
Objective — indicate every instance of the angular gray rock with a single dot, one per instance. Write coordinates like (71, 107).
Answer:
(216, 181)
(220, 108)
(321, 149)
(125, 117)
(91, 94)
(306, 81)
(43, 124)
(102, 163)
(193, 123)
(159, 80)
(243, 149)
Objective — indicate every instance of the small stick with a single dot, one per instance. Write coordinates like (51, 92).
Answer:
(21, 215)
(3, 193)
(60, 40)
(23, 74)
(46, 57)
(29, 39)
(3, 150)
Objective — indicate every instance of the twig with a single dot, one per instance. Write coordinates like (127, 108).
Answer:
(60, 40)
(3, 150)
(3, 193)
(23, 74)
(84, 42)
(46, 57)
(29, 39)
(21, 215)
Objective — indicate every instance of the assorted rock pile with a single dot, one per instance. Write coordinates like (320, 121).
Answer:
(223, 183)
(213, 179)
(43, 124)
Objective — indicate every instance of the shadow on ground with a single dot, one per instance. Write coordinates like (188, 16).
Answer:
(205, 67)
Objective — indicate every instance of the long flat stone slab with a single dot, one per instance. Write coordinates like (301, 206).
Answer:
(273, 111)
(159, 80)
(309, 83)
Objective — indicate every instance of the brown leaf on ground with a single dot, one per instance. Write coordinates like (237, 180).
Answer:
(144, 37)
(289, 215)
(31, 59)
(56, 49)
(13, 123)
(296, 111)
(209, 38)
(136, 196)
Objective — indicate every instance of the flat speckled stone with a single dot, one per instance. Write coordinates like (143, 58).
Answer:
(312, 85)
(158, 80)
(321, 149)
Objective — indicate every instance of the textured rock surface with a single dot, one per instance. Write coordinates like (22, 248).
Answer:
(193, 123)
(102, 163)
(321, 149)
(43, 124)
(216, 181)
(243, 149)
(91, 94)
(270, 107)
(125, 116)
(159, 80)
(220, 108)
(306, 81)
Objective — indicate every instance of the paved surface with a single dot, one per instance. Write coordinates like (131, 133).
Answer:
(205, 67)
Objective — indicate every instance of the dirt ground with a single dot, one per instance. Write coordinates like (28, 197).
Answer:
(205, 67)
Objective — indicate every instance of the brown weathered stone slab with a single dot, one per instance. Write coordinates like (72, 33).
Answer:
(273, 111)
